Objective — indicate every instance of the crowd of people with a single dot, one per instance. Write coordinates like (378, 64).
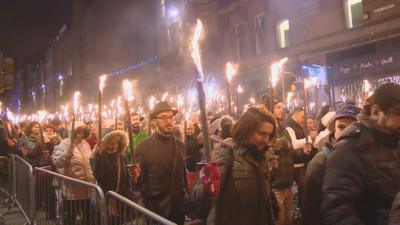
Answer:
(269, 166)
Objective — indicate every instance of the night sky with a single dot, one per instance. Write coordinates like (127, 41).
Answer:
(27, 26)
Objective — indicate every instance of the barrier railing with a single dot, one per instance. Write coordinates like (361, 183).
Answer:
(24, 187)
(68, 201)
(46, 197)
(7, 184)
(122, 211)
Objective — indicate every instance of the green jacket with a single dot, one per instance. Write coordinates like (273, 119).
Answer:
(139, 137)
(244, 197)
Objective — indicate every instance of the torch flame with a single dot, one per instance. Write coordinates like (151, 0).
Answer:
(127, 86)
(196, 49)
(252, 100)
(310, 82)
(164, 97)
(230, 71)
(179, 101)
(240, 89)
(367, 88)
(275, 69)
(102, 82)
(152, 102)
(77, 94)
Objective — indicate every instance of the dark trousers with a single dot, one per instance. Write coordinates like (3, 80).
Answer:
(299, 177)
(73, 208)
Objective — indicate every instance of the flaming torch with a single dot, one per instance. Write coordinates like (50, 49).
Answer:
(128, 96)
(366, 90)
(152, 103)
(75, 103)
(102, 84)
(230, 72)
(307, 83)
(239, 90)
(275, 70)
(200, 90)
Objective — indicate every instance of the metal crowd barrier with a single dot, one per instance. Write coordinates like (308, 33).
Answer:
(68, 201)
(24, 187)
(7, 184)
(46, 197)
(122, 211)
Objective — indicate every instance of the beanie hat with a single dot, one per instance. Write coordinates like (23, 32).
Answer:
(347, 111)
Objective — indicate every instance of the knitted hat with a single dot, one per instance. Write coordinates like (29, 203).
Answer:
(347, 111)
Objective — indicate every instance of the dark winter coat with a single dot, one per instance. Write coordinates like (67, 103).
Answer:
(394, 217)
(283, 176)
(244, 197)
(162, 163)
(193, 153)
(6, 133)
(35, 146)
(105, 170)
(109, 169)
(313, 184)
(361, 176)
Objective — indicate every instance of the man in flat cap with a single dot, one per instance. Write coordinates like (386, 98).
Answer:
(162, 164)
(362, 173)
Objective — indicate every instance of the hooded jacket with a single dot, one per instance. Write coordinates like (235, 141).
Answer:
(244, 197)
(75, 165)
(362, 176)
(109, 169)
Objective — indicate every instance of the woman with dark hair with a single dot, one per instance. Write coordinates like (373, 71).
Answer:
(244, 193)
(73, 160)
(109, 166)
(31, 145)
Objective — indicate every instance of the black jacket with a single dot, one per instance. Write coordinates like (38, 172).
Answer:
(105, 170)
(162, 163)
(283, 176)
(244, 196)
(313, 184)
(361, 176)
(394, 217)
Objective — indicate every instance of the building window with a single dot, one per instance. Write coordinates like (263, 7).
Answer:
(260, 34)
(283, 33)
(162, 8)
(354, 13)
(173, 36)
(240, 40)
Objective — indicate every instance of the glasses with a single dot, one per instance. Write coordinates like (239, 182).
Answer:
(165, 118)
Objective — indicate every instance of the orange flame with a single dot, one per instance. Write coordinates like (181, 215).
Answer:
(77, 94)
(102, 82)
(275, 69)
(127, 85)
(240, 89)
(230, 71)
(196, 49)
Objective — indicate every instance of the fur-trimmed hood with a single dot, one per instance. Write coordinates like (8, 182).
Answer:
(107, 140)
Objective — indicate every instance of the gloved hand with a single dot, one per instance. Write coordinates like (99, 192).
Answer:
(210, 177)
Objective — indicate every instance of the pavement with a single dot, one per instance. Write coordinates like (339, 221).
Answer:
(14, 216)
